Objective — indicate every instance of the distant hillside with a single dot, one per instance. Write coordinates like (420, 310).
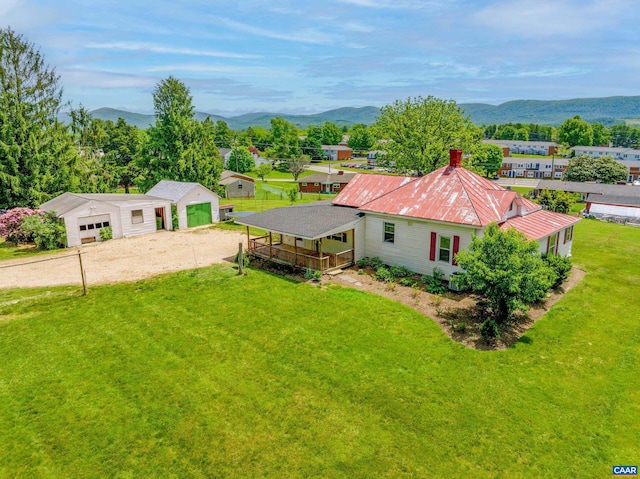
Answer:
(609, 110)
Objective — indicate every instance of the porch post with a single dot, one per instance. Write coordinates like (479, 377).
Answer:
(270, 244)
(295, 250)
(320, 252)
(353, 245)
(248, 239)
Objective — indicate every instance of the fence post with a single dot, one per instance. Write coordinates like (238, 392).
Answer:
(240, 259)
(84, 279)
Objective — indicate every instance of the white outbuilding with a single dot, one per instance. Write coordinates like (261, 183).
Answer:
(195, 204)
(85, 215)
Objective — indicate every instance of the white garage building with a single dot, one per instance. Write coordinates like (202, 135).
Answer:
(196, 205)
(128, 215)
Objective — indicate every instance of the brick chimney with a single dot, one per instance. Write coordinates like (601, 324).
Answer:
(455, 158)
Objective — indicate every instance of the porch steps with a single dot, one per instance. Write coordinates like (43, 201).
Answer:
(334, 272)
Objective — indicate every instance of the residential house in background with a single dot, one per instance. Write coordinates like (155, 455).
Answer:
(618, 153)
(587, 188)
(337, 152)
(195, 205)
(551, 168)
(237, 185)
(325, 182)
(509, 147)
(420, 223)
(85, 215)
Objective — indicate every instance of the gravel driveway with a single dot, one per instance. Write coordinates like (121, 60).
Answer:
(126, 259)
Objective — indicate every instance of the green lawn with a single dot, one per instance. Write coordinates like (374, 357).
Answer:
(10, 251)
(266, 199)
(207, 374)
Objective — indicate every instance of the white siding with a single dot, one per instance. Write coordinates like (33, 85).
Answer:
(148, 215)
(563, 249)
(360, 246)
(615, 210)
(91, 208)
(412, 242)
(197, 195)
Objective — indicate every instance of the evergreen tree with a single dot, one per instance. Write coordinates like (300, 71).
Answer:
(38, 159)
(178, 147)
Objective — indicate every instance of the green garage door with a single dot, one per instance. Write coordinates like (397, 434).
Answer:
(199, 214)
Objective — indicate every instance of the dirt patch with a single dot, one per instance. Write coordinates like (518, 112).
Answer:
(126, 259)
(455, 313)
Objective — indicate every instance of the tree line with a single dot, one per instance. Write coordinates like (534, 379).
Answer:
(572, 132)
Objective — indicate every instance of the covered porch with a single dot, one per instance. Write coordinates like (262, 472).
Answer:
(318, 236)
(275, 248)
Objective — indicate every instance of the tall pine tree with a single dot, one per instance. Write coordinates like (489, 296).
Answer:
(179, 147)
(38, 159)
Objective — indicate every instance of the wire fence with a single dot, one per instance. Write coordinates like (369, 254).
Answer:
(68, 270)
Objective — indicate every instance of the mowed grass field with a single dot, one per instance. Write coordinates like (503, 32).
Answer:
(207, 374)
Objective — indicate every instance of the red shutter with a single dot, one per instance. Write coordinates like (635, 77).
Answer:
(456, 248)
(432, 248)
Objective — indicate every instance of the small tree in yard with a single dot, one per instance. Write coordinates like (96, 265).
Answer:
(506, 269)
(297, 165)
(293, 194)
(263, 170)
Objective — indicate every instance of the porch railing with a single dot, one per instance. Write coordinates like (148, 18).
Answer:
(283, 254)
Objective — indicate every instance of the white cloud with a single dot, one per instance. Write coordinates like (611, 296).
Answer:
(149, 47)
(559, 18)
(307, 35)
(397, 4)
(82, 77)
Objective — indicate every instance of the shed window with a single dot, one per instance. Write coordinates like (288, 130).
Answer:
(136, 217)
(342, 237)
(83, 227)
(304, 184)
(239, 185)
(444, 250)
(552, 244)
(316, 184)
(91, 226)
(389, 233)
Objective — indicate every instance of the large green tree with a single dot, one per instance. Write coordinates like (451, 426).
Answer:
(360, 138)
(178, 147)
(488, 157)
(122, 151)
(575, 131)
(284, 142)
(507, 270)
(423, 130)
(604, 169)
(331, 133)
(241, 160)
(38, 159)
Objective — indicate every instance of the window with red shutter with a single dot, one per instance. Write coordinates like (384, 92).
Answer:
(456, 248)
(432, 246)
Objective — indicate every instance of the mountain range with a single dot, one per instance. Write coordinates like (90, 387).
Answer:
(608, 111)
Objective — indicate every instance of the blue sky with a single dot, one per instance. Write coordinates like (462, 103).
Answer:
(311, 56)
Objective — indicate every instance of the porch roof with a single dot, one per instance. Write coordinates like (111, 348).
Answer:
(310, 221)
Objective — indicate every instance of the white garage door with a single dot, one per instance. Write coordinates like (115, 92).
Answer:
(90, 227)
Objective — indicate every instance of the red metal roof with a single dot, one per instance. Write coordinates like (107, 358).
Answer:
(364, 188)
(453, 195)
(540, 223)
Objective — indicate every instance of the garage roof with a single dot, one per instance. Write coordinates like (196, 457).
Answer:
(69, 201)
